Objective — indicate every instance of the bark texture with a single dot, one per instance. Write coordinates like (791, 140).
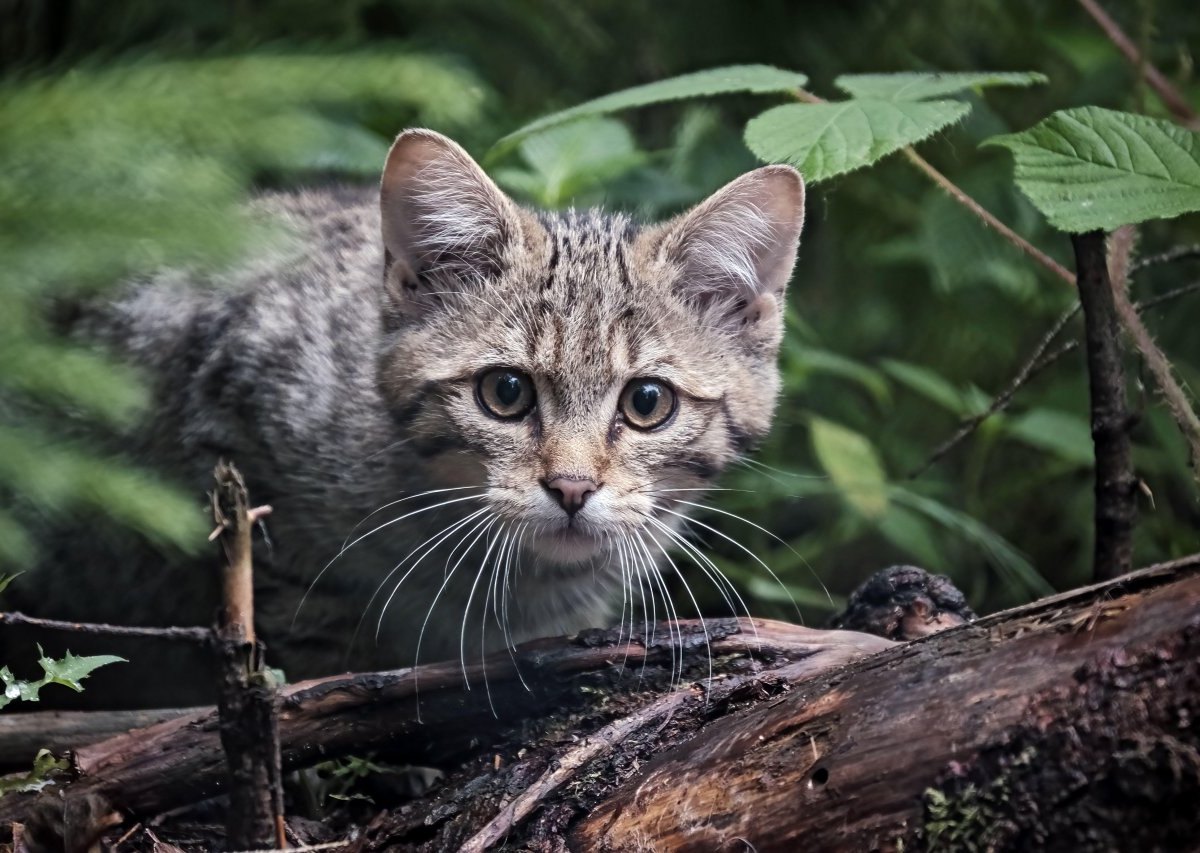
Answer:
(1116, 485)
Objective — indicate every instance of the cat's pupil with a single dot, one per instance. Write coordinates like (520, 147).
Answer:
(645, 399)
(508, 389)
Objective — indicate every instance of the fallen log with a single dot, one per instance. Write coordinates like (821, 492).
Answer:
(1066, 724)
(423, 715)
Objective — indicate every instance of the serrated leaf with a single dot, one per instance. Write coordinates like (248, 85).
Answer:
(1065, 435)
(920, 86)
(732, 79)
(72, 669)
(1090, 168)
(45, 765)
(824, 140)
(853, 465)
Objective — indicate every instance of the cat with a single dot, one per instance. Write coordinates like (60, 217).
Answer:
(475, 422)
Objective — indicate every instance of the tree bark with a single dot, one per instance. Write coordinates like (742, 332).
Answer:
(423, 715)
(1116, 485)
(1063, 725)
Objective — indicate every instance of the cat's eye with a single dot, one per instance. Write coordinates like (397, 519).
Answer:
(647, 403)
(505, 393)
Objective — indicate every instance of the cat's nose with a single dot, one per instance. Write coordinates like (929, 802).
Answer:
(570, 492)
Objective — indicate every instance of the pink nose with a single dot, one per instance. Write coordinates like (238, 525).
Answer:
(570, 492)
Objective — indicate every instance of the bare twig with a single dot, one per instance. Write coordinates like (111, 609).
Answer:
(988, 219)
(185, 635)
(1166, 91)
(1116, 486)
(1155, 301)
(1178, 403)
(247, 699)
(956, 192)
(1179, 253)
(1032, 366)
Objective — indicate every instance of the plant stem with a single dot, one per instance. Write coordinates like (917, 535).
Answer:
(987, 218)
(1167, 93)
(1116, 485)
(957, 193)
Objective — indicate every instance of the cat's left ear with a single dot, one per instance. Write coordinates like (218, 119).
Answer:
(735, 250)
(446, 225)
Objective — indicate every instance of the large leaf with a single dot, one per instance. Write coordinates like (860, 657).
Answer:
(1091, 168)
(754, 79)
(824, 140)
(853, 465)
(920, 86)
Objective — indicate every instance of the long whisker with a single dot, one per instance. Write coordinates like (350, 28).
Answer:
(483, 527)
(738, 544)
(687, 588)
(676, 641)
(462, 634)
(400, 501)
(710, 569)
(441, 536)
(344, 549)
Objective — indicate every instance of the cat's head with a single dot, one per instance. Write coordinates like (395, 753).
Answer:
(587, 372)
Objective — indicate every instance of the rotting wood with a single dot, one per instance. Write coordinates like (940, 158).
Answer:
(180, 761)
(22, 734)
(847, 760)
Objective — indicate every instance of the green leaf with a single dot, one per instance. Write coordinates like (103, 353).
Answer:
(919, 86)
(732, 79)
(824, 140)
(5, 580)
(1065, 435)
(567, 161)
(1013, 565)
(1090, 168)
(72, 669)
(45, 765)
(853, 465)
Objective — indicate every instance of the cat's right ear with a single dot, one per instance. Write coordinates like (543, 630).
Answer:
(446, 225)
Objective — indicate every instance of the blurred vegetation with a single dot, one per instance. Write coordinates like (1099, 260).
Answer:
(130, 129)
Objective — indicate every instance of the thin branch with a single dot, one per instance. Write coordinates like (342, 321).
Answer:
(1028, 370)
(1177, 400)
(1179, 253)
(1034, 253)
(1034, 364)
(1155, 301)
(187, 635)
(956, 192)
(1174, 101)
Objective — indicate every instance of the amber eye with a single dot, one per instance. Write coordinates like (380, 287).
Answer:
(505, 393)
(647, 403)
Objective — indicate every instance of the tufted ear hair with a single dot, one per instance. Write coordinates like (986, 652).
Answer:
(736, 249)
(446, 225)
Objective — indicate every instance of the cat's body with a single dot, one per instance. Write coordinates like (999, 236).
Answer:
(535, 389)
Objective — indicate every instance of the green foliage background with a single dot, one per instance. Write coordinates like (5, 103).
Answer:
(130, 129)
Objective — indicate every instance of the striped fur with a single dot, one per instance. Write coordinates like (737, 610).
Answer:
(342, 398)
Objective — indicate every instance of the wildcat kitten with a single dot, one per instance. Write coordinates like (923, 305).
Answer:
(492, 414)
